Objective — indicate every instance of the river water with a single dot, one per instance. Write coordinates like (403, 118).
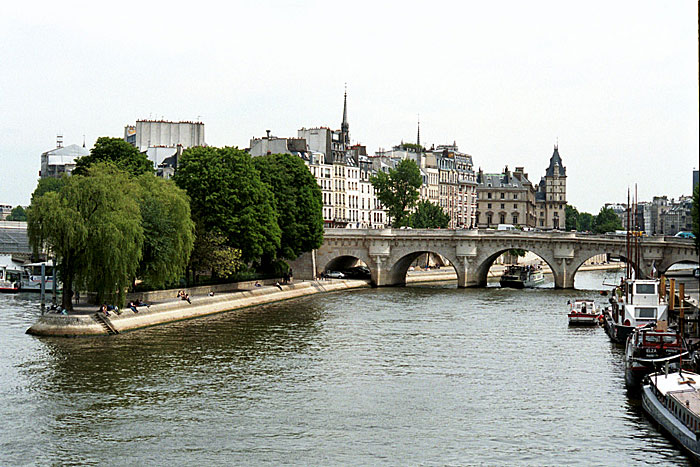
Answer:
(425, 374)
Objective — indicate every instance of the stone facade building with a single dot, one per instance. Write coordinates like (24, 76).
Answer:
(505, 198)
(510, 198)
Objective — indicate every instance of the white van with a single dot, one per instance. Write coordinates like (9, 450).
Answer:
(506, 227)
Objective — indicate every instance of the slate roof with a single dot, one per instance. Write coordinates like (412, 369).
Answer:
(554, 161)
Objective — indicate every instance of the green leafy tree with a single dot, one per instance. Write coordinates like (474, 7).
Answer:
(212, 255)
(571, 214)
(298, 202)
(168, 230)
(398, 190)
(228, 197)
(118, 152)
(428, 216)
(17, 214)
(46, 185)
(606, 221)
(412, 147)
(93, 228)
(695, 209)
(586, 222)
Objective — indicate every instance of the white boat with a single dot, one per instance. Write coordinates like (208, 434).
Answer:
(636, 302)
(10, 275)
(519, 277)
(673, 401)
(583, 312)
(31, 279)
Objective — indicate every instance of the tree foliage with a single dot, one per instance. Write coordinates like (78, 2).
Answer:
(571, 214)
(46, 185)
(428, 216)
(297, 200)
(581, 221)
(398, 190)
(118, 152)
(17, 214)
(606, 221)
(168, 230)
(228, 197)
(93, 228)
(586, 222)
(212, 255)
(412, 147)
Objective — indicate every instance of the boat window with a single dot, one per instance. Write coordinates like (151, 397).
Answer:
(645, 312)
(669, 339)
(646, 288)
(652, 338)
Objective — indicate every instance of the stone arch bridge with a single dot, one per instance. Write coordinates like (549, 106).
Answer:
(389, 253)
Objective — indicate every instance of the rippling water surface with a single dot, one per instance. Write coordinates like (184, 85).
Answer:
(417, 375)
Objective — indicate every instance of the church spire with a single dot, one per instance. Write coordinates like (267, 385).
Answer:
(345, 126)
(418, 137)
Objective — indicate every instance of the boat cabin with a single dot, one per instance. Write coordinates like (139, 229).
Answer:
(642, 303)
(583, 306)
(680, 396)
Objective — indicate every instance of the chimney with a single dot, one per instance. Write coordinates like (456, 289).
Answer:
(268, 134)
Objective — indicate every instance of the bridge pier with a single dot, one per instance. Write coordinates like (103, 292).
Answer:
(563, 275)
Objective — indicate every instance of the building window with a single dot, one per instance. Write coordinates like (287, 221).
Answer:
(488, 195)
(489, 219)
(503, 196)
(515, 219)
(503, 205)
(515, 196)
(503, 218)
(488, 205)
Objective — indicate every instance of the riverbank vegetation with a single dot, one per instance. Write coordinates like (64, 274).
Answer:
(113, 223)
(605, 221)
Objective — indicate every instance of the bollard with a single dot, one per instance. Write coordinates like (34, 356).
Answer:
(43, 287)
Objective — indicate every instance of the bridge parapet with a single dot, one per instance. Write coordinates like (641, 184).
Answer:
(389, 252)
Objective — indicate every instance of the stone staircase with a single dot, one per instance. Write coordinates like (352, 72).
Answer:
(104, 321)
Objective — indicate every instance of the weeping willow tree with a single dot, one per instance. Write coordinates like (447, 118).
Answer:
(169, 232)
(93, 227)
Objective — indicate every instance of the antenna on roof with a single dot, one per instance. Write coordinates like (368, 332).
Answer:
(59, 141)
(83, 140)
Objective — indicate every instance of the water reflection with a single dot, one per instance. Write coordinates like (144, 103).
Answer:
(424, 373)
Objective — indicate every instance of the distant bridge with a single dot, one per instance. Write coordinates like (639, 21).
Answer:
(389, 253)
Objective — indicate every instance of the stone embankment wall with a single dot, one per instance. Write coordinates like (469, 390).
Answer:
(86, 324)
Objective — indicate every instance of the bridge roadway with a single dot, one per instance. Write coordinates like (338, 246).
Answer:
(389, 252)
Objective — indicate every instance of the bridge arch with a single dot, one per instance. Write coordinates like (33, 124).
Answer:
(402, 259)
(485, 260)
(585, 255)
(680, 257)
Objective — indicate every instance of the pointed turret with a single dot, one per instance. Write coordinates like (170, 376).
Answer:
(555, 161)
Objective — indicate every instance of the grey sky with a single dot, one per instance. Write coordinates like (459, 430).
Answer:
(615, 82)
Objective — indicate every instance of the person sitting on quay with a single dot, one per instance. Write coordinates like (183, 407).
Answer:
(185, 296)
(103, 310)
(132, 305)
(139, 302)
(257, 284)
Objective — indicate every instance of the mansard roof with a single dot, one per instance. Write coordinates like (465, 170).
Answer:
(555, 160)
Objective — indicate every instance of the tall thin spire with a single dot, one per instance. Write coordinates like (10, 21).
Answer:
(418, 137)
(345, 126)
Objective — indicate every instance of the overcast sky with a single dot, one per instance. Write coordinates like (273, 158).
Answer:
(616, 83)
